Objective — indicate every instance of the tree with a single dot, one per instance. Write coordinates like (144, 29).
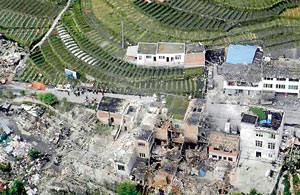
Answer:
(127, 188)
(34, 154)
(254, 192)
(17, 188)
(23, 92)
(47, 98)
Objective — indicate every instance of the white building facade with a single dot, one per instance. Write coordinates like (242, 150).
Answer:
(258, 142)
(167, 54)
(277, 85)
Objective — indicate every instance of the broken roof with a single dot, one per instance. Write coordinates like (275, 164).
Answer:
(147, 48)
(170, 48)
(224, 142)
(110, 104)
(283, 69)
(195, 48)
(242, 72)
(145, 135)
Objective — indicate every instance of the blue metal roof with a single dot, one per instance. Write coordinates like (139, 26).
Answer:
(7, 130)
(240, 54)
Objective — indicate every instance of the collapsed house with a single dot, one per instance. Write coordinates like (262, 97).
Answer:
(261, 135)
(167, 54)
(223, 146)
(117, 112)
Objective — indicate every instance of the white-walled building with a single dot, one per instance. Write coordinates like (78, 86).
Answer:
(253, 79)
(261, 139)
(167, 54)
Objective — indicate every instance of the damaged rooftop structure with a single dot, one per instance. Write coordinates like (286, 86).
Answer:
(223, 146)
(117, 112)
(278, 76)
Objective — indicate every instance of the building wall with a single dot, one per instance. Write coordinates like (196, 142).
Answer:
(148, 59)
(249, 134)
(222, 155)
(191, 133)
(161, 134)
(286, 83)
(146, 149)
(105, 116)
(269, 85)
(127, 165)
(194, 60)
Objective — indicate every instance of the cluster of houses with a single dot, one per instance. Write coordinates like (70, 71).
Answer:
(158, 149)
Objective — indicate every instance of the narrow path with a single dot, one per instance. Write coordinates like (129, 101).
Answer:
(52, 26)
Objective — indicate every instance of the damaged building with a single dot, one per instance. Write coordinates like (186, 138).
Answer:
(280, 76)
(223, 146)
(117, 112)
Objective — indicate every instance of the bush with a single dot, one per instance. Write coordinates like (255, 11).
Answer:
(5, 167)
(286, 184)
(254, 192)
(47, 98)
(23, 92)
(34, 154)
(127, 188)
(296, 179)
(17, 188)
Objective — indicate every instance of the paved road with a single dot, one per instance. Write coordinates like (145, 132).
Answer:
(17, 87)
(52, 26)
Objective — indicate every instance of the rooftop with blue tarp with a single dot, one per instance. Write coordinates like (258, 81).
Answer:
(240, 54)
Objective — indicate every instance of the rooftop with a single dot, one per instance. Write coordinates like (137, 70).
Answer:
(144, 135)
(224, 142)
(147, 48)
(242, 72)
(283, 68)
(264, 118)
(170, 48)
(109, 104)
(195, 48)
(240, 54)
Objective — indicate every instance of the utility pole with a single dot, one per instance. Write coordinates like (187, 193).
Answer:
(122, 24)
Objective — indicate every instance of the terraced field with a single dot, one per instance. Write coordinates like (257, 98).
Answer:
(249, 4)
(214, 24)
(26, 21)
(88, 38)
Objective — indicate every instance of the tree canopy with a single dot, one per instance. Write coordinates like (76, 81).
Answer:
(127, 188)
(47, 98)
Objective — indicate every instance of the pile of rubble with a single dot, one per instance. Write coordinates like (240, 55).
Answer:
(12, 58)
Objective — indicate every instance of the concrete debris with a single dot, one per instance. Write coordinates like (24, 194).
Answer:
(12, 58)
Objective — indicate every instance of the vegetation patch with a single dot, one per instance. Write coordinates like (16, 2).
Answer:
(258, 112)
(47, 98)
(177, 106)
